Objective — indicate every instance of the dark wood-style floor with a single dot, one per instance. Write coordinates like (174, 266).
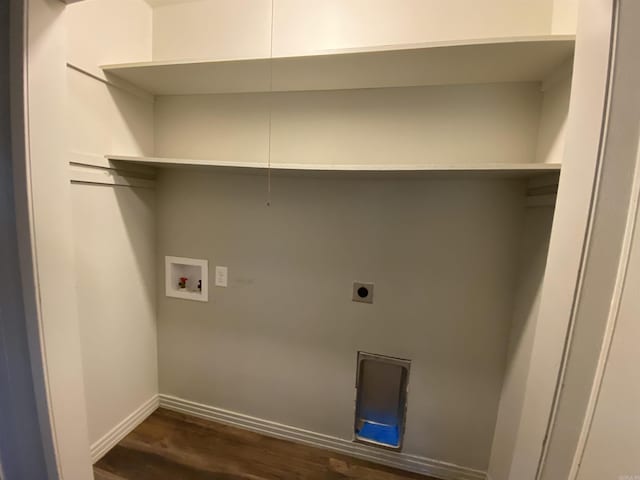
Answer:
(173, 446)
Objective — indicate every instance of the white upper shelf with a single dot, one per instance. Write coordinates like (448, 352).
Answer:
(492, 169)
(513, 59)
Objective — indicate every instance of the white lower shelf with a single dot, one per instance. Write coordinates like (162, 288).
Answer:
(494, 169)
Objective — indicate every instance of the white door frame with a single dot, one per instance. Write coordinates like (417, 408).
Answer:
(43, 216)
(614, 216)
(602, 139)
(26, 447)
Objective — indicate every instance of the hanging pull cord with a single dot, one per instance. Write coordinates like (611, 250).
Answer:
(270, 108)
(269, 161)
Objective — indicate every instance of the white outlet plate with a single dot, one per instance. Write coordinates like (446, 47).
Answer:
(221, 276)
(194, 270)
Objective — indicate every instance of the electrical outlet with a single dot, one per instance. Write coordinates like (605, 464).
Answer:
(362, 292)
(221, 276)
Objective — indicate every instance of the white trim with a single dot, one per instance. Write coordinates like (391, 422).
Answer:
(100, 161)
(19, 24)
(124, 428)
(612, 320)
(79, 173)
(404, 461)
(586, 246)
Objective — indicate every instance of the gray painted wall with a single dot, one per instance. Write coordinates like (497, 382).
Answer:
(280, 342)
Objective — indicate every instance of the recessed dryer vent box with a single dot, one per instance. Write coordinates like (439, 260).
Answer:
(381, 400)
(187, 278)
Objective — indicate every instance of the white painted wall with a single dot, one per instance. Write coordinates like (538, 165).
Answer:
(114, 234)
(564, 18)
(101, 32)
(426, 125)
(280, 342)
(212, 29)
(113, 227)
(306, 26)
(223, 29)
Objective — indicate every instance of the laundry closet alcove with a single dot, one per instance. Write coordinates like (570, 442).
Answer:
(421, 160)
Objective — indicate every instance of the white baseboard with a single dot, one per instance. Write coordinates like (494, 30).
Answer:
(122, 429)
(404, 461)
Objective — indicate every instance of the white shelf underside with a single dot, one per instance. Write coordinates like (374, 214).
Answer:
(492, 169)
(513, 59)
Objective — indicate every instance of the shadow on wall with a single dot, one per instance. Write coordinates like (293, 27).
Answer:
(532, 262)
(533, 257)
(22, 454)
(114, 232)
